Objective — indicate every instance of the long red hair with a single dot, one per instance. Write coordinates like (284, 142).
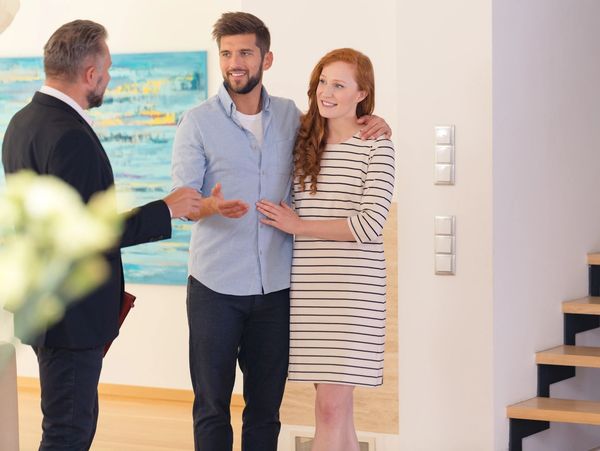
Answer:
(312, 134)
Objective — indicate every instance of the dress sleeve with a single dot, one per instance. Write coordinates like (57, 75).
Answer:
(367, 225)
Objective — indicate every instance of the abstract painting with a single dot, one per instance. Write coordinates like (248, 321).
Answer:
(145, 98)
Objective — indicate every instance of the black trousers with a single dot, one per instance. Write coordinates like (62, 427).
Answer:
(254, 330)
(69, 384)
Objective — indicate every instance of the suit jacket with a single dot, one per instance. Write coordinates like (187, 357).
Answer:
(50, 137)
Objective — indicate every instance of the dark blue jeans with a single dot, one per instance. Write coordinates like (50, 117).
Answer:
(254, 330)
(69, 384)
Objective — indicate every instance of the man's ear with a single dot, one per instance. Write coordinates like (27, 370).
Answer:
(89, 75)
(268, 60)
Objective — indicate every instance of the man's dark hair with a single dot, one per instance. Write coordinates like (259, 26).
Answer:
(233, 23)
(70, 46)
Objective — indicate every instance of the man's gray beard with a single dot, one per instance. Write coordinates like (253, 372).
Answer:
(94, 100)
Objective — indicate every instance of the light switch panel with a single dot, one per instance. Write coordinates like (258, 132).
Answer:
(444, 244)
(444, 225)
(444, 174)
(444, 154)
(444, 264)
(444, 134)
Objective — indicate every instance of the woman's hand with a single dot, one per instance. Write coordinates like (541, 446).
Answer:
(280, 216)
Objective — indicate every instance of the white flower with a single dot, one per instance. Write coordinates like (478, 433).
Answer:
(9, 214)
(17, 258)
(45, 198)
(79, 233)
(50, 247)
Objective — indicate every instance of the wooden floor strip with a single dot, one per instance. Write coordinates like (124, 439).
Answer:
(126, 423)
(133, 391)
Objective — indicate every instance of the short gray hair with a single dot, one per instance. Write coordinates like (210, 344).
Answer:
(68, 48)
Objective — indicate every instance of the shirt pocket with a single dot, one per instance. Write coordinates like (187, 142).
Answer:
(282, 158)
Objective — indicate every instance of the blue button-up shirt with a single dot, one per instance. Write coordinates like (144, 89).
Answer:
(238, 256)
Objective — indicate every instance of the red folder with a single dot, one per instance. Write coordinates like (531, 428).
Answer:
(126, 305)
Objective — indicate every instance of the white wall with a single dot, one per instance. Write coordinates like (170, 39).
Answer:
(546, 217)
(445, 330)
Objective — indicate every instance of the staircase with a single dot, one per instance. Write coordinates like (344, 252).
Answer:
(559, 363)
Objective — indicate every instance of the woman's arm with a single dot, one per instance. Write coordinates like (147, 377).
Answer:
(365, 226)
(285, 219)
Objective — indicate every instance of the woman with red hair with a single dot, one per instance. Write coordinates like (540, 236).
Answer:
(342, 194)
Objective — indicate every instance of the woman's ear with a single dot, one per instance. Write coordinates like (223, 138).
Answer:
(362, 95)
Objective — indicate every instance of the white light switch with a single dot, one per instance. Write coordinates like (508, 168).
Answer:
(444, 244)
(444, 174)
(444, 264)
(444, 225)
(444, 154)
(444, 134)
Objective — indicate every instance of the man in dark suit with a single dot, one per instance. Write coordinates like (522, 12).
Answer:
(53, 135)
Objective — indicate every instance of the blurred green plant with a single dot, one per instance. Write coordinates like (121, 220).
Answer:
(51, 247)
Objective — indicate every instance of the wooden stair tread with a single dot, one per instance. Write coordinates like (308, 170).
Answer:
(582, 356)
(589, 305)
(594, 258)
(557, 410)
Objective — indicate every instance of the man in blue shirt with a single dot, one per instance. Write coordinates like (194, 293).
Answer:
(238, 145)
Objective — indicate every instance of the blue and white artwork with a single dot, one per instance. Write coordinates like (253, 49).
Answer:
(146, 96)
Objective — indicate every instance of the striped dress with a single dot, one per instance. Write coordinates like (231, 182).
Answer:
(337, 317)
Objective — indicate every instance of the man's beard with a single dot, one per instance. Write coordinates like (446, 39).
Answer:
(249, 86)
(95, 98)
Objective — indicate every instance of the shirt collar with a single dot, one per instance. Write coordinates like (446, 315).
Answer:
(68, 100)
(229, 105)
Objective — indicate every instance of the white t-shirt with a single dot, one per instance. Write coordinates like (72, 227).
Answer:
(253, 123)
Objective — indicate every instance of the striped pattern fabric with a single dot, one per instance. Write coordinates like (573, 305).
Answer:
(337, 318)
